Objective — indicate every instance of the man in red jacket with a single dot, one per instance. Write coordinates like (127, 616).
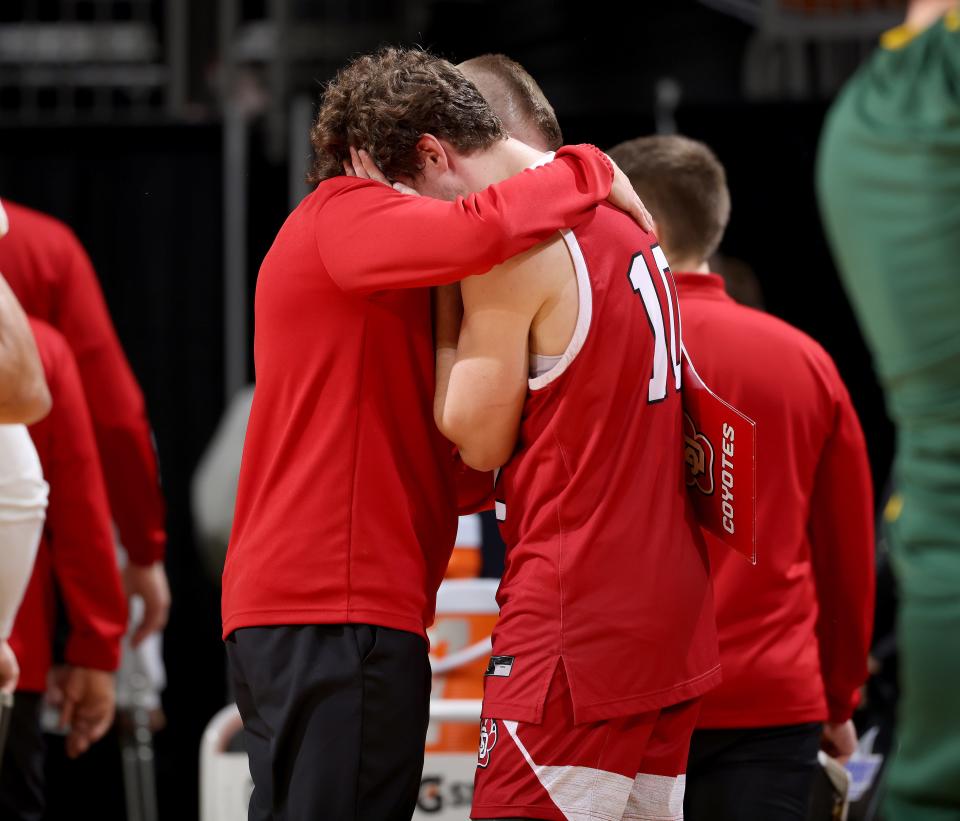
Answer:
(346, 508)
(76, 559)
(795, 629)
(52, 276)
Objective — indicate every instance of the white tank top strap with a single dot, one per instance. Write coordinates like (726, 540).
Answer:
(544, 369)
(541, 364)
(548, 157)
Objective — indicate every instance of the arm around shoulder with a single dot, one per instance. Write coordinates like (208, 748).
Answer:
(373, 238)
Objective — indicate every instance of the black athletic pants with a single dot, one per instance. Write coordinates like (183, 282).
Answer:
(21, 771)
(335, 720)
(762, 774)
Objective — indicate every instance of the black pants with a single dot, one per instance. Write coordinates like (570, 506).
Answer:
(762, 774)
(21, 771)
(335, 720)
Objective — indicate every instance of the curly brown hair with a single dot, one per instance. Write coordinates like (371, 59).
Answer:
(384, 103)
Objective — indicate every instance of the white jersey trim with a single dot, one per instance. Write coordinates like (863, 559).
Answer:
(584, 316)
(580, 793)
(657, 797)
(541, 364)
(550, 156)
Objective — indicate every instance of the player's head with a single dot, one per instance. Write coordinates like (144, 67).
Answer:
(413, 112)
(684, 185)
(516, 98)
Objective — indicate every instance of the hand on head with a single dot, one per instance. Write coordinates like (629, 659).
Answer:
(361, 165)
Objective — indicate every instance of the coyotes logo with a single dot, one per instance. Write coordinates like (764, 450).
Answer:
(698, 454)
(488, 740)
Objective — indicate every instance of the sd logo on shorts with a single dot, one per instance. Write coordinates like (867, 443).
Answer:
(488, 740)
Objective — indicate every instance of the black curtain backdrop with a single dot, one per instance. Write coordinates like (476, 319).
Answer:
(769, 153)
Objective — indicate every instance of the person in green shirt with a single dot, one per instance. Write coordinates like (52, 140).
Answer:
(888, 181)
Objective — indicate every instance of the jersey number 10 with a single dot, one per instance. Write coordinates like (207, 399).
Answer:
(642, 280)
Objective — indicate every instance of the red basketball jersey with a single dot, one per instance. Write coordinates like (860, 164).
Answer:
(606, 571)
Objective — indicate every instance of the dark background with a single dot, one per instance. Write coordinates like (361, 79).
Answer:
(144, 195)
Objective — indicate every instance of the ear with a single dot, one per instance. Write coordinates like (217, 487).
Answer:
(432, 155)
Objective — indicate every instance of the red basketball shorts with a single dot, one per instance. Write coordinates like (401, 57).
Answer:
(624, 769)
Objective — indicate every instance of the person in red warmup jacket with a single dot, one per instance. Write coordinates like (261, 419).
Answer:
(77, 561)
(794, 630)
(51, 274)
(346, 507)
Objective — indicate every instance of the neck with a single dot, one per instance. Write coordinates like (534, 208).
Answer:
(503, 160)
(922, 14)
(689, 266)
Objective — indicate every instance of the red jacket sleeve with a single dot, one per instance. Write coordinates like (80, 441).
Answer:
(842, 539)
(78, 526)
(116, 407)
(373, 238)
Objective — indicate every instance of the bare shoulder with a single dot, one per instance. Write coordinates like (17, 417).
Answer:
(530, 278)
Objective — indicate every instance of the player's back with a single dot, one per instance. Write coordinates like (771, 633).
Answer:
(606, 572)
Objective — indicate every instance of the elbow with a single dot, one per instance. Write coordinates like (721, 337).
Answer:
(477, 448)
(483, 457)
(440, 420)
(40, 402)
(454, 423)
(483, 451)
(28, 405)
